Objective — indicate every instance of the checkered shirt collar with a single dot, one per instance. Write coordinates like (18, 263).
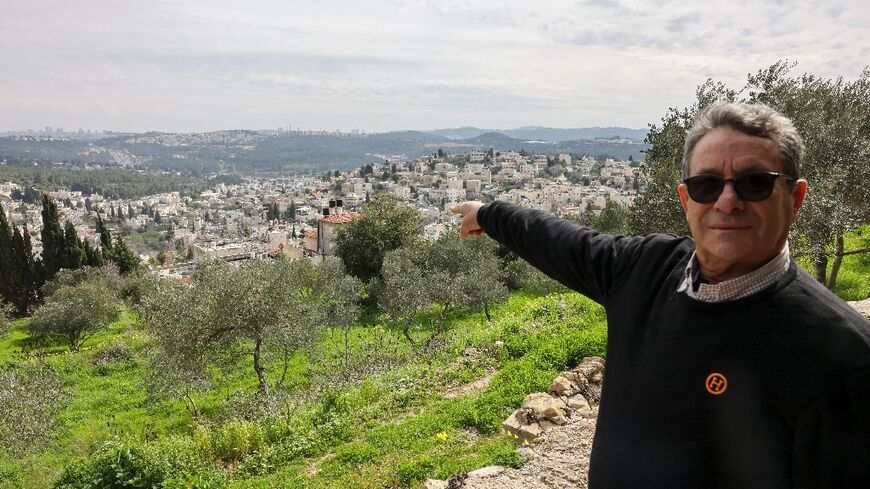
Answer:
(737, 288)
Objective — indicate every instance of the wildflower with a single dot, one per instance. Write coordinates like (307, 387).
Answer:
(442, 436)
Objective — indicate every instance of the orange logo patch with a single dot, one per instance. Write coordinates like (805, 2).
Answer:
(716, 384)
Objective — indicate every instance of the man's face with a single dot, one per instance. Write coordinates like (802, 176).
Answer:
(733, 236)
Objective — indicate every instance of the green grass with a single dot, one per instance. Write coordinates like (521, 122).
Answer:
(853, 279)
(397, 428)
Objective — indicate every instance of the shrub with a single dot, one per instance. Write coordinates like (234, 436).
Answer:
(171, 462)
(75, 312)
(30, 398)
(237, 439)
(415, 470)
(112, 356)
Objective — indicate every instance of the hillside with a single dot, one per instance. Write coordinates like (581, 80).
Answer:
(431, 418)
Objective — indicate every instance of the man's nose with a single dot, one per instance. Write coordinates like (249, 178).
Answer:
(728, 200)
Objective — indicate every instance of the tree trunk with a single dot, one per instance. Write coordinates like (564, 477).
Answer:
(820, 264)
(286, 355)
(486, 311)
(838, 260)
(190, 404)
(73, 341)
(258, 366)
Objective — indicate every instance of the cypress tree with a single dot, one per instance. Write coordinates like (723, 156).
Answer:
(122, 256)
(32, 269)
(25, 278)
(105, 235)
(5, 257)
(73, 251)
(93, 257)
(53, 241)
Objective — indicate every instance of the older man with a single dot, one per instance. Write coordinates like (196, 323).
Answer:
(727, 365)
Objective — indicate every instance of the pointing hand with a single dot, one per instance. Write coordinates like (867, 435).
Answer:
(468, 211)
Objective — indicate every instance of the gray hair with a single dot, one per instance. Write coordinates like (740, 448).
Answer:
(752, 119)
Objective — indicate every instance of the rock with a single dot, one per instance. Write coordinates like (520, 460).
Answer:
(519, 429)
(434, 484)
(543, 405)
(576, 378)
(485, 472)
(579, 405)
(561, 386)
(592, 393)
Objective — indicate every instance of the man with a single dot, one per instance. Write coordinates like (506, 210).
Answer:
(727, 365)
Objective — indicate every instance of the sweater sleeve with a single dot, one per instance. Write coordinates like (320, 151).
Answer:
(580, 258)
(832, 442)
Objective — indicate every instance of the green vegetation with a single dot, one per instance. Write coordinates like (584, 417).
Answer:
(398, 427)
(385, 225)
(111, 183)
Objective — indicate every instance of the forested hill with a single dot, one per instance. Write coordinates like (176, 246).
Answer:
(548, 134)
(246, 151)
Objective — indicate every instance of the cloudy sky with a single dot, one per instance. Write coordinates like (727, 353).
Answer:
(194, 65)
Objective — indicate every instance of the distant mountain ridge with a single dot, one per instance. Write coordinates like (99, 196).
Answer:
(548, 134)
(251, 151)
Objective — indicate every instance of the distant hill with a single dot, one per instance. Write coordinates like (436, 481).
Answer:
(494, 140)
(252, 151)
(465, 132)
(556, 135)
(549, 134)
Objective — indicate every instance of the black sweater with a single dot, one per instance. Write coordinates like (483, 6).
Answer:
(767, 391)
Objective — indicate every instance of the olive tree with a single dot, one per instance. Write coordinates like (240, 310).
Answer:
(74, 313)
(444, 275)
(31, 397)
(260, 309)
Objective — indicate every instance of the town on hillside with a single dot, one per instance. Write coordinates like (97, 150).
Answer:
(299, 216)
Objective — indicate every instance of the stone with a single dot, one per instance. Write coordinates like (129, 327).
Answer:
(576, 378)
(543, 405)
(580, 405)
(547, 425)
(561, 386)
(434, 484)
(559, 420)
(519, 430)
(592, 393)
(491, 471)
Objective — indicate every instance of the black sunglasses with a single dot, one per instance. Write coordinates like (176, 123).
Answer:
(751, 187)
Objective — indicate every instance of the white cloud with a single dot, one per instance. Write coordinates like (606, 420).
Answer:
(377, 65)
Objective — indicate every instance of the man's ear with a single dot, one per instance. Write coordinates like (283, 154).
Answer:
(684, 195)
(798, 194)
